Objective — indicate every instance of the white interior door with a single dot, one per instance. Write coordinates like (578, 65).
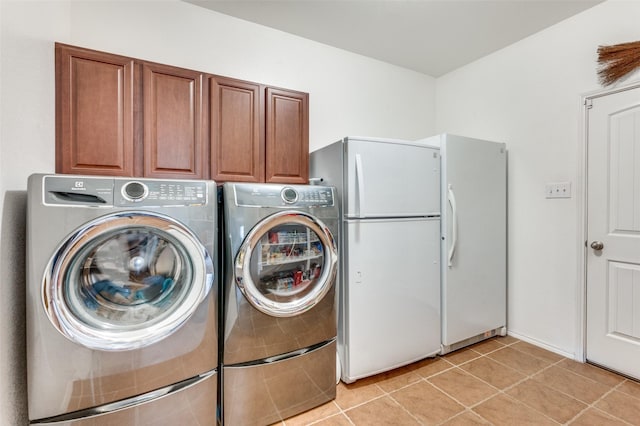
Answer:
(613, 232)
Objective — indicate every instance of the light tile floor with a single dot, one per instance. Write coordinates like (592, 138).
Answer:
(502, 381)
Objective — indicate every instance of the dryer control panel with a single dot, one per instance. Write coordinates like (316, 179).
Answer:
(270, 195)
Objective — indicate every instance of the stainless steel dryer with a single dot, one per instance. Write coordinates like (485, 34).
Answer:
(279, 307)
(121, 301)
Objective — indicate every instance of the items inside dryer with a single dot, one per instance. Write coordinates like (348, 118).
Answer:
(286, 264)
(290, 260)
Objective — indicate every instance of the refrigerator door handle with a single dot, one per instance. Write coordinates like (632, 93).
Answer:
(454, 224)
(360, 179)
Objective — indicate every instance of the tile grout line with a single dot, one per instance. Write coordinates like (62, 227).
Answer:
(499, 391)
(425, 379)
(344, 411)
(469, 409)
(386, 393)
(404, 408)
(466, 407)
(340, 411)
(466, 410)
(593, 405)
(451, 367)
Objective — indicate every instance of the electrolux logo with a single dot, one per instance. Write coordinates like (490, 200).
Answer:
(78, 186)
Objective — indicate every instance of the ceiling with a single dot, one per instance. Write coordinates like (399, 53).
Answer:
(429, 36)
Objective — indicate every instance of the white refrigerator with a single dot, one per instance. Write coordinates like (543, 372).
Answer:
(389, 285)
(474, 239)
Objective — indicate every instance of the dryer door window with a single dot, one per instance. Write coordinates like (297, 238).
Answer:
(286, 264)
(126, 280)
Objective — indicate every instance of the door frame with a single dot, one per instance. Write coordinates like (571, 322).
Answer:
(581, 204)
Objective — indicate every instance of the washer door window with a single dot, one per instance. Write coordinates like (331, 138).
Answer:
(286, 264)
(126, 280)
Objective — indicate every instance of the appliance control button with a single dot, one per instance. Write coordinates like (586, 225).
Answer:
(289, 195)
(135, 191)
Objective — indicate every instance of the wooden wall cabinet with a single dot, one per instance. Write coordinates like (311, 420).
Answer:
(175, 144)
(95, 102)
(258, 133)
(121, 117)
(287, 136)
(237, 136)
(126, 117)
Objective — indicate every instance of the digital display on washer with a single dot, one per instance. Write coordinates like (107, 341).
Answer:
(283, 196)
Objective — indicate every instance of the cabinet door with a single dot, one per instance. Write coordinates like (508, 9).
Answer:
(237, 141)
(287, 136)
(174, 119)
(94, 112)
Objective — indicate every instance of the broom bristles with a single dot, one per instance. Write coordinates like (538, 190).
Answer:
(617, 61)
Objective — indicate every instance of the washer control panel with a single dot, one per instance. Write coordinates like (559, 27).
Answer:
(159, 192)
(122, 192)
(269, 195)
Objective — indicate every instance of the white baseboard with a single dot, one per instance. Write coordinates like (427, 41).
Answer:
(543, 345)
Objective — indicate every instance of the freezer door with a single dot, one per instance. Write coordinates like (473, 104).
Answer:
(390, 179)
(474, 227)
(391, 304)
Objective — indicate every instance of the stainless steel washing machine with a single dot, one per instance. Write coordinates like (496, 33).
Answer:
(121, 301)
(279, 306)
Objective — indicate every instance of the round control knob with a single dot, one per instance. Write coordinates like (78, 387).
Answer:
(135, 191)
(289, 195)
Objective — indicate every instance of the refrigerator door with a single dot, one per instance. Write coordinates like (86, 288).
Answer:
(390, 179)
(391, 295)
(474, 226)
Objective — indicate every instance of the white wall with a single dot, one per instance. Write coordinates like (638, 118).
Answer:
(349, 94)
(26, 145)
(528, 95)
